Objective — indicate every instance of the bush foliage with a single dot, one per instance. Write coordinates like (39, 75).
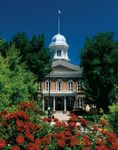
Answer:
(24, 129)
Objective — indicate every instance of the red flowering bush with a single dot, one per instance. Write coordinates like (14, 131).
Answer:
(19, 132)
(20, 139)
(2, 143)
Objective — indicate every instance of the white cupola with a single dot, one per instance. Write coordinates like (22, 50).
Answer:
(59, 47)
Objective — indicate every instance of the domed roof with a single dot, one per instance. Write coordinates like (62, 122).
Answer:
(58, 39)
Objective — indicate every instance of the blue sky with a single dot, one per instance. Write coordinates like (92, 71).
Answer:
(79, 18)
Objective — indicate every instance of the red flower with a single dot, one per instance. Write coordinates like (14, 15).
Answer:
(103, 131)
(102, 122)
(72, 124)
(20, 139)
(28, 105)
(19, 123)
(2, 143)
(77, 134)
(30, 125)
(29, 136)
(61, 143)
(22, 115)
(61, 135)
(73, 118)
(18, 114)
(33, 146)
(4, 123)
(102, 147)
(46, 119)
(73, 141)
(56, 119)
(99, 142)
(95, 128)
(87, 141)
(15, 147)
(38, 141)
(111, 136)
(60, 124)
(83, 122)
(38, 127)
(46, 139)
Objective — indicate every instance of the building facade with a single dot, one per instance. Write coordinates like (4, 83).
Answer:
(62, 89)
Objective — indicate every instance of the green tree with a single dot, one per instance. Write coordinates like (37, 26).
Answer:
(3, 47)
(21, 42)
(113, 116)
(98, 59)
(16, 82)
(34, 53)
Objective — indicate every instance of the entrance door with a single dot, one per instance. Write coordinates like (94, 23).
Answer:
(70, 103)
(59, 103)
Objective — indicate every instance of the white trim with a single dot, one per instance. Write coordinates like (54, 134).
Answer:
(59, 85)
(60, 93)
(47, 85)
(79, 86)
(53, 103)
(59, 53)
(64, 103)
(70, 84)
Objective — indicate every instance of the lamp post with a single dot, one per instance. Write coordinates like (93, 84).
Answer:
(49, 99)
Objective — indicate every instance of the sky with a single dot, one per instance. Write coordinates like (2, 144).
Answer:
(79, 19)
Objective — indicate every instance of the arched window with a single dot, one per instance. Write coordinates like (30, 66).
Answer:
(80, 102)
(79, 86)
(59, 53)
(47, 85)
(59, 85)
(70, 85)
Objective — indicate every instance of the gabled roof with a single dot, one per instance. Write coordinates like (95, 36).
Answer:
(65, 64)
(64, 69)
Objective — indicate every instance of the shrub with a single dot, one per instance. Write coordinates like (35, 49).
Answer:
(18, 132)
(113, 117)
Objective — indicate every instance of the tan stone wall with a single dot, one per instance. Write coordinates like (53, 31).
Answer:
(43, 86)
(74, 86)
(64, 86)
(53, 86)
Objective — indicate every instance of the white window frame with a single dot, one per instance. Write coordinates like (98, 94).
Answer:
(79, 86)
(59, 85)
(80, 102)
(70, 85)
(59, 53)
(47, 85)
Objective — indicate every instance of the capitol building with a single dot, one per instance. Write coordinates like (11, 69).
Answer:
(62, 89)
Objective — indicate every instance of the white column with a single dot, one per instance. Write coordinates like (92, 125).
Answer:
(64, 103)
(54, 103)
(43, 104)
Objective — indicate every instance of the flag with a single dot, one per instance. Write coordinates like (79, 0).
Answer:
(59, 12)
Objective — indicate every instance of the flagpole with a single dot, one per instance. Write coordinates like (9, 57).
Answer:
(59, 12)
(58, 24)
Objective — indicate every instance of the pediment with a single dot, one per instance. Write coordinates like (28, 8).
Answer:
(61, 65)
(62, 68)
